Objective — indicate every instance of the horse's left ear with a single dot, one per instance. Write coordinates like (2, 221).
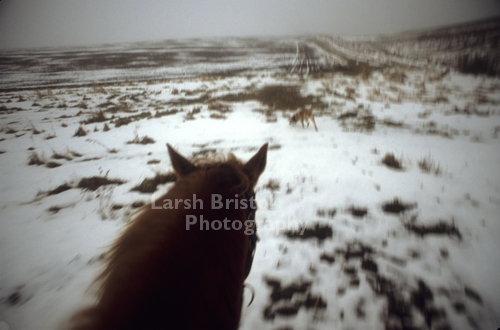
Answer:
(181, 165)
(257, 164)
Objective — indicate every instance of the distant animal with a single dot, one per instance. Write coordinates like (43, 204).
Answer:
(167, 271)
(304, 115)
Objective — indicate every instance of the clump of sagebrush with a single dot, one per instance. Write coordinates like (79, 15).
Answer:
(391, 161)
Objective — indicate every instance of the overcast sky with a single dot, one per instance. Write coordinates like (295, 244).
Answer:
(41, 23)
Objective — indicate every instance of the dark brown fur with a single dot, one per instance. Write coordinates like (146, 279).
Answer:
(304, 115)
(158, 275)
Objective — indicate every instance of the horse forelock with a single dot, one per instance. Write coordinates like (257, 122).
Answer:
(225, 168)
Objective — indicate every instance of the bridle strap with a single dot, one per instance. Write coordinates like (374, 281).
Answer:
(253, 238)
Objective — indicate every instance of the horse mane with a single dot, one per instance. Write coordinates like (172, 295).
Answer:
(156, 256)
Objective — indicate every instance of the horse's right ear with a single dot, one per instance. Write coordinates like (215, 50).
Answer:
(257, 164)
(181, 165)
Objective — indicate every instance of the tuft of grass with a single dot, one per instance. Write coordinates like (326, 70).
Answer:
(123, 121)
(216, 115)
(219, 107)
(35, 131)
(391, 161)
(54, 209)
(56, 155)
(358, 212)
(396, 76)
(10, 130)
(95, 117)
(428, 165)
(137, 204)
(153, 161)
(59, 189)
(440, 228)
(159, 113)
(149, 185)
(94, 182)
(396, 206)
(330, 213)
(318, 231)
(34, 159)
(49, 136)
(391, 123)
(357, 120)
(350, 93)
(82, 105)
(80, 132)
(287, 300)
(272, 185)
(52, 165)
(144, 140)
(74, 153)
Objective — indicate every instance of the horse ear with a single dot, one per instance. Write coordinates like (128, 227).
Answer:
(256, 165)
(181, 165)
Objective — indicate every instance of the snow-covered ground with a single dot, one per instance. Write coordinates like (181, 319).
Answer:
(433, 265)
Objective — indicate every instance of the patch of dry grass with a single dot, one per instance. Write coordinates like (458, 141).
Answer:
(276, 97)
(121, 121)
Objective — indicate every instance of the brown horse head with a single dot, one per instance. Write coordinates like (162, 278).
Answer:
(181, 262)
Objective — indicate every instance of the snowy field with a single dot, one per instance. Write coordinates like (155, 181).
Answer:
(397, 194)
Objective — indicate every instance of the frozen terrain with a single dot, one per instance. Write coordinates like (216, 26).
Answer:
(397, 194)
